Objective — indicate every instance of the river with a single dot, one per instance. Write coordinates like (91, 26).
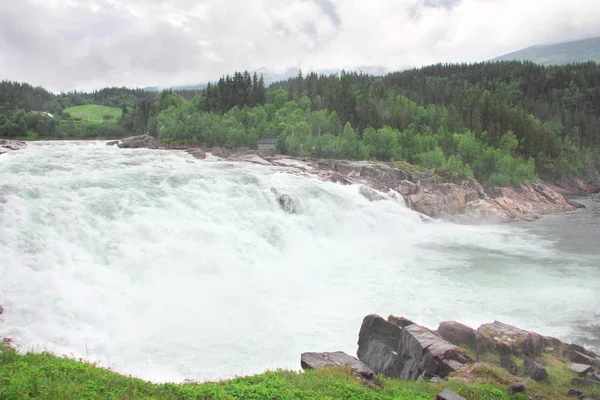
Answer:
(165, 267)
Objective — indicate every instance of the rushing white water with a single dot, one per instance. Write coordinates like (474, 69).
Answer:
(166, 267)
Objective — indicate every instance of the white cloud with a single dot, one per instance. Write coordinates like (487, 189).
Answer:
(86, 44)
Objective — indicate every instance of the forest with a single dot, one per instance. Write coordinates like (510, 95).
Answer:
(504, 123)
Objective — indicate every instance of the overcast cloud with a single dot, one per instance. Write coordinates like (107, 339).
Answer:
(87, 44)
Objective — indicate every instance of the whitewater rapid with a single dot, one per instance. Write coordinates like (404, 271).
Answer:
(166, 267)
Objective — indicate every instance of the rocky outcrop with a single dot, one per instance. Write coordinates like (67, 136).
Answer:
(339, 359)
(409, 352)
(457, 333)
(11, 145)
(463, 201)
(580, 369)
(506, 340)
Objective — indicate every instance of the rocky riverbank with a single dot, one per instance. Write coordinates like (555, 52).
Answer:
(464, 201)
(399, 348)
(11, 145)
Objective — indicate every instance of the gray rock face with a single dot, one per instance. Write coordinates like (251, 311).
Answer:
(580, 369)
(581, 358)
(457, 333)
(406, 353)
(508, 339)
(448, 395)
(337, 359)
(534, 370)
(400, 321)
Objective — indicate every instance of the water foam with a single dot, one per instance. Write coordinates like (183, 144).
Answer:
(165, 267)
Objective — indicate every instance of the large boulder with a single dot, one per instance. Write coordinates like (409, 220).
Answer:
(141, 141)
(507, 339)
(338, 359)
(457, 333)
(534, 370)
(11, 145)
(408, 352)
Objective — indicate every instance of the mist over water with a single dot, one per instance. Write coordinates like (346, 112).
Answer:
(166, 267)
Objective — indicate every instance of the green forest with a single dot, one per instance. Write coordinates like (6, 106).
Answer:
(504, 123)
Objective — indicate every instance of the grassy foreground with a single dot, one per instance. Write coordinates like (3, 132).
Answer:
(93, 112)
(45, 376)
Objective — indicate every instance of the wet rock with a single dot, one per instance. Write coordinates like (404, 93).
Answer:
(457, 333)
(286, 202)
(449, 395)
(517, 387)
(407, 353)
(370, 194)
(580, 369)
(1, 310)
(407, 188)
(534, 370)
(112, 143)
(511, 340)
(509, 365)
(137, 142)
(338, 359)
(11, 145)
(399, 321)
(197, 153)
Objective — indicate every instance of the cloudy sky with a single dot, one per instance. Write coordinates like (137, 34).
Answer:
(87, 44)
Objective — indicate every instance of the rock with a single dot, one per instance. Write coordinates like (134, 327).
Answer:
(407, 188)
(457, 333)
(407, 353)
(512, 340)
(448, 395)
(197, 153)
(580, 358)
(517, 387)
(11, 145)
(371, 195)
(137, 142)
(574, 393)
(436, 379)
(286, 202)
(338, 359)
(378, 342)
(1, 310)
(112, 143)
(581, 369)
(534, 370)
(400, 321)
(595, 375)
(508, 365)
(583, 382)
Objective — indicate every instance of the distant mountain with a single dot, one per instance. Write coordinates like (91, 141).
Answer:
(558, 54)
(272, 77)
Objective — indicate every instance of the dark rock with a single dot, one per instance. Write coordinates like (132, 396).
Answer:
(534, 370)
(580, 358)
(11, 145)
(581, 369)
(512, 340)
(378, 342)
(583, 382)
(407, 353)
(112, 143)
(338, 359)
(457, 333)
(1, 310)
(449, 395)
(400, 321)
(137, 142)
(574, 393)
(517, 387)
(508, 365)
(595, 375)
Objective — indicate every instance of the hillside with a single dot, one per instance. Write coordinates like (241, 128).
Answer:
(558, 54)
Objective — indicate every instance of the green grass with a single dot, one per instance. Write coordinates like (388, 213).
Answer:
(45, 376)
(93, 112)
